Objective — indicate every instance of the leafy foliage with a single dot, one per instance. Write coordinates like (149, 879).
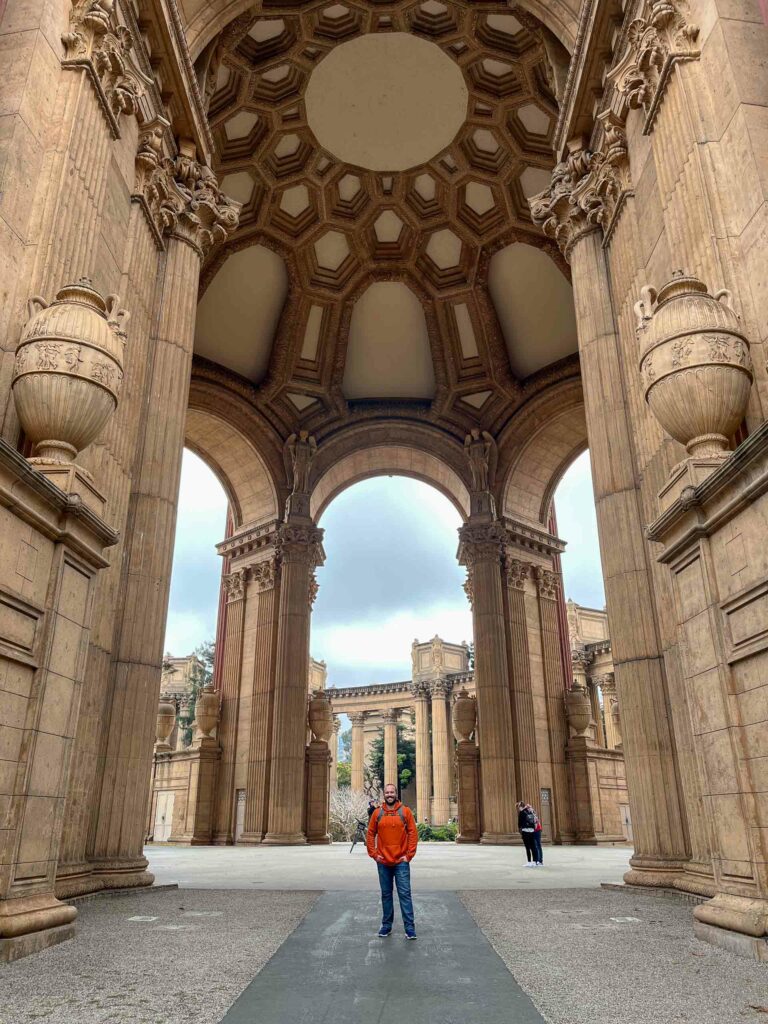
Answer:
(201, 674)
(344, 774)
(437, 833)
(406, 759)
(346, 745)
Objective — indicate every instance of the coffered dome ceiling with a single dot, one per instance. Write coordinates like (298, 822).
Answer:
(383, 154)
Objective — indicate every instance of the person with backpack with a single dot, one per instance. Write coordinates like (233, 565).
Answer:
(526, 824)
(391, 842)
(538, 853)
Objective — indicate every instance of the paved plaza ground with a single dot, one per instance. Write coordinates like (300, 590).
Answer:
(272, 936)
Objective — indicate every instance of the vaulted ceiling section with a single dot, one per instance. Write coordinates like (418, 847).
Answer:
(386, 259)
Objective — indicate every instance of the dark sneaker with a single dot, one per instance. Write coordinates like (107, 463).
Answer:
(384, 932)
(410, 935)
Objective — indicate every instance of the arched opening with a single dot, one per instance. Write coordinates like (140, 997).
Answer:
(392, 626)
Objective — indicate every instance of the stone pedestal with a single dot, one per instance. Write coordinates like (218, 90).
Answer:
(53, 547)
(714, 545)
(468, 792)
(599, 788)
(317, 795)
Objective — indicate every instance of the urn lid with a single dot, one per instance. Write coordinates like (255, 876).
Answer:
(83, 292)
(681, 284)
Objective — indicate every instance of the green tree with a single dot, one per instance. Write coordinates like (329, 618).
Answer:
(201, 675)
(344, 773)
(406, 758)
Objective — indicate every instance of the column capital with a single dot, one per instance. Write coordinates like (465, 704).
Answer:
(580, 659)
(547, 583)
(517, 572)
(195, 210)
(480, 542)
(420, 689)
(301, 543)
(264, 574)
(391, 716)
(608, 685)
(234, 584)
(357, 717)
(440, 688)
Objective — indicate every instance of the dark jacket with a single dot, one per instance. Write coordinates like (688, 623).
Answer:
(526, 820)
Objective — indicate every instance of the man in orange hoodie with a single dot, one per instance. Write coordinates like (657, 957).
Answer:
(391, 842)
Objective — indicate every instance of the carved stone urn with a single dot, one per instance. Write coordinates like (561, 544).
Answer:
(166, 719)
(695, 365)
(578, 709)
(206, 712)
(320, 715)
(464, 717)
(68, 370)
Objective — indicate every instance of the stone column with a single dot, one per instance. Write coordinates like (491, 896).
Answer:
(198, 215)
(481, 550)
(300, 549)
(441, 764)
(264, 588)
(608, 688)
(357, 719)
(236, 586)
(391, 718)
(547, 583)
(335, 753)
(420, 693)
(657, 814)
(521, 690)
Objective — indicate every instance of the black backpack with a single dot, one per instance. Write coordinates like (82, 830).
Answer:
(529, 819)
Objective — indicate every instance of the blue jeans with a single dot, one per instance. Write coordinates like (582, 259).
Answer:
(400, 874)
(538, 852)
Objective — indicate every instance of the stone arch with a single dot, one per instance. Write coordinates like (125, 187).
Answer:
(238, 465)
(392, 450)
(542, 442)
(559, 16)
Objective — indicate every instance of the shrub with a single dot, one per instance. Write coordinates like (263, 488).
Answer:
(437, 833)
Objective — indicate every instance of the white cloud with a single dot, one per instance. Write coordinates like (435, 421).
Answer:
(577, 524)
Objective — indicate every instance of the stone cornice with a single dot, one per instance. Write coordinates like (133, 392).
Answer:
(250, 540)
(406, 687)
(521, 535)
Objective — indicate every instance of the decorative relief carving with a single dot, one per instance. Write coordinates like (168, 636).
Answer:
(420, 689)
(103, 48)
(547, 583)
(314, 587)
(301, 544)
(468, 588)
(264, 574)
(517, 572)
(588, 189)
(235, 584)
(440, 688)
(657, 40)
(481, 543)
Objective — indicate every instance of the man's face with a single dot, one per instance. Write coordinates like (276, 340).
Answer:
(390, 795)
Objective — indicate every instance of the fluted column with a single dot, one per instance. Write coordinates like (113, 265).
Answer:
(357, 776)
(197, 214)
(264, 587)
(547, 583)
(420, 693)
(300, 547)
(521, 686)
(441, 765)
(612, 736)
(390, 747)
(481, 550)
(335, 753)
(657, 814)
(235, 586)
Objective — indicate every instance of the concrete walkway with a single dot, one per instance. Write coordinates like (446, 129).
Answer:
(437, 867)
(334, 968)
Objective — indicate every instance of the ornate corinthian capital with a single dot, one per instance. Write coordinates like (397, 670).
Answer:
(104, 49)
(264, 574)
(420, 689)
(547, 583)
(655, 41)
(195, 209)
(234, 584)
(301, 543)
(517, 573)
(483, 542)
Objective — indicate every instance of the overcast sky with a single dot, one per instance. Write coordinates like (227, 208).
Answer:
(390, 573)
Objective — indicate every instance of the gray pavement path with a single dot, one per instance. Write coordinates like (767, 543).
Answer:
(438, 866)
(334, 968)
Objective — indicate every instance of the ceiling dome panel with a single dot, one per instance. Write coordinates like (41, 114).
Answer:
(238, 315)
(534, 304)
(388, 354)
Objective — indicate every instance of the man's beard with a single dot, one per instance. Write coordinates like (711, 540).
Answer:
(390, 799)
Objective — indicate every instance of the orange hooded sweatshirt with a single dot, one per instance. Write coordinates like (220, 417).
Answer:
(392, 838)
